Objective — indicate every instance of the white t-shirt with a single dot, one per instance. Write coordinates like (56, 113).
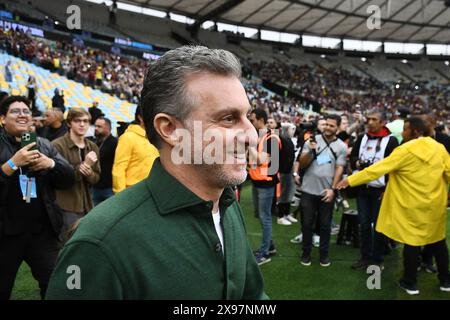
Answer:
(216, 218)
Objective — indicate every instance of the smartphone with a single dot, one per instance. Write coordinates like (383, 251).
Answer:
(27, 138)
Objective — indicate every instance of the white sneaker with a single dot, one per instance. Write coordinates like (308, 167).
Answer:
(346, 204)
(291, 218)
(316, 241)
(335, 230)
(283, 221)
(297, 239)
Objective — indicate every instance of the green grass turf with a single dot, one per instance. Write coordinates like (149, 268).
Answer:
(286, 279)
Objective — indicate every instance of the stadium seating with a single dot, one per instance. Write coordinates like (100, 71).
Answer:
(75, 94)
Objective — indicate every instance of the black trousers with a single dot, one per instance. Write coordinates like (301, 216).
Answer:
(411, 261)
(427, 255)
(39, 251)
(314, 211)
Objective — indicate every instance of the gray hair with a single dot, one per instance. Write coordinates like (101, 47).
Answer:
(380, 112)
(285, 128)
(164, 89)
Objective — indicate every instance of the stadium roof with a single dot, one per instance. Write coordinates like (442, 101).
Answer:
(401, 20)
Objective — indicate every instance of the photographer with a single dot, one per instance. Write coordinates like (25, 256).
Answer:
(373, 146)
(322, 159)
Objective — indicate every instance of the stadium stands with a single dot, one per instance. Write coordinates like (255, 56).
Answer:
(75, 94)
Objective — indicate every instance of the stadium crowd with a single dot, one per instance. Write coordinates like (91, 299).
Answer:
(112, 73)
(332, 88)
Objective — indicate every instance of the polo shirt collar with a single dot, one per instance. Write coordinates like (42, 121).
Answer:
(170, 195)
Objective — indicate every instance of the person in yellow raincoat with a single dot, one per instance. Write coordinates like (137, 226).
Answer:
(414, 206)
(134, 156)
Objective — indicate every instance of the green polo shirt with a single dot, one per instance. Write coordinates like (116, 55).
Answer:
(157, 240)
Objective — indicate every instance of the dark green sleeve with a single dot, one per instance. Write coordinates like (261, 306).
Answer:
(254, 283)
(91, 263)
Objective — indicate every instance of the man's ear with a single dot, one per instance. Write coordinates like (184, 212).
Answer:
(2, 120)
(166, 125)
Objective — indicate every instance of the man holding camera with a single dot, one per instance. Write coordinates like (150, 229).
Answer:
(323, 160)
(373, 146)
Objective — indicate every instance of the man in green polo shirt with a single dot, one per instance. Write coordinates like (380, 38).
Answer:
(179, 234)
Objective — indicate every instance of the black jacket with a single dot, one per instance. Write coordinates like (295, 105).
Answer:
(444, 139)
(95, 114)
(51, 134)
(58, 102)
(287, 154)
(107, 151)
(60, 177)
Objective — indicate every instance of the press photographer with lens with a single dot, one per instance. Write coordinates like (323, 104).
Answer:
(375, 145)
(322, 160)
(31, 170)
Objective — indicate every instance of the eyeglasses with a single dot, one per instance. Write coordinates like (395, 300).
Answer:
(80, 120)
(17, 112)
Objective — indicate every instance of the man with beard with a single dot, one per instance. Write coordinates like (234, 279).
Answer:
(106, 144)
(178, 234)
(323, 160)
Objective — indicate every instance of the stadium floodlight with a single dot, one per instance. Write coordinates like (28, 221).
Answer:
(363, 59)
(404, 61)
(447, 63)
(397, 86)
(323, 56)
(416, 87)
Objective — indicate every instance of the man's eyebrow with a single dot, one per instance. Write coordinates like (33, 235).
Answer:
(228, 110)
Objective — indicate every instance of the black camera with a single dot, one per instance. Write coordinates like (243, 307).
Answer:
(308, 126)
(364, 164)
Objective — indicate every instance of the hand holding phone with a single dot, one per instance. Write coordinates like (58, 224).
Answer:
(28, 138)
(25, 156)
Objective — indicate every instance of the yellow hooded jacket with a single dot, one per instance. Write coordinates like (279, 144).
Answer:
(134, 158)
(414, 206)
